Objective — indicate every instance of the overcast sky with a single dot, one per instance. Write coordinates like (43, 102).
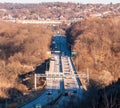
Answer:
(77, 1)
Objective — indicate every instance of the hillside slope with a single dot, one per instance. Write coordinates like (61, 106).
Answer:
(97, 42)
(22, 47)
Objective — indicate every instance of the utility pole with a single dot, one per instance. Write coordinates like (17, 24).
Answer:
(6, 103)
(35, 82)
(77, 63)
(47, 65)
(87, 77)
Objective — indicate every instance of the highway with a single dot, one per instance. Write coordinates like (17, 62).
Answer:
(58, 89)
(72, 85)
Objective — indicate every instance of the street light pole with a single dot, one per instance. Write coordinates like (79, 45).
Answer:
(35, 82)
(6, 103)
(47, 65)
(77, 62)
(87, 77)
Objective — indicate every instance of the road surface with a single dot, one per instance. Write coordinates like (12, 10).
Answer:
(58, 89)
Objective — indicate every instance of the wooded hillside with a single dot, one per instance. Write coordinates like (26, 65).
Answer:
(97, 42)
(22, 47)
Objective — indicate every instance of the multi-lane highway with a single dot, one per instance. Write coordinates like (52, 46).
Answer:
(72, 84)
(58, 89)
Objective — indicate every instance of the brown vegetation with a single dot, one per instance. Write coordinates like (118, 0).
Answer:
(97, 43)
(22, 47)
(107, 97)
(97, 97)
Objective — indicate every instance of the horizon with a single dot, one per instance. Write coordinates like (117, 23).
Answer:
(53, 1)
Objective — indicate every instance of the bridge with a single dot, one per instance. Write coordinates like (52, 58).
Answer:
(61, 78)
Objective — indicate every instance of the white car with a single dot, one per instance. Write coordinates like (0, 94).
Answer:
(52, 59)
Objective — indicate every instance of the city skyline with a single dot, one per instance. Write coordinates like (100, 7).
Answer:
(75, 1)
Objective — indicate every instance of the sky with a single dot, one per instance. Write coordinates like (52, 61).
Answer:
(76, 1)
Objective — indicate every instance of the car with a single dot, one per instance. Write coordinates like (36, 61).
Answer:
(65, 94)
(37, 106)
(74, 91)
(70, 94)
(53, 42)
(49, 92)
(52, 59)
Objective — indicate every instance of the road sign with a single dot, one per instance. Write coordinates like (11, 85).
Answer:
(73, 53)
(48, 52)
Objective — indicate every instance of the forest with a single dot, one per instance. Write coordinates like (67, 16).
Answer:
(97, 43)
(22, 48)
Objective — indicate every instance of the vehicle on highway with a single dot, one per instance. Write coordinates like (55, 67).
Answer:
(65, 94)
(70, 94)
(37, 106)
(74, 91)
(53, 42)
(49, 92)
(52, 59)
